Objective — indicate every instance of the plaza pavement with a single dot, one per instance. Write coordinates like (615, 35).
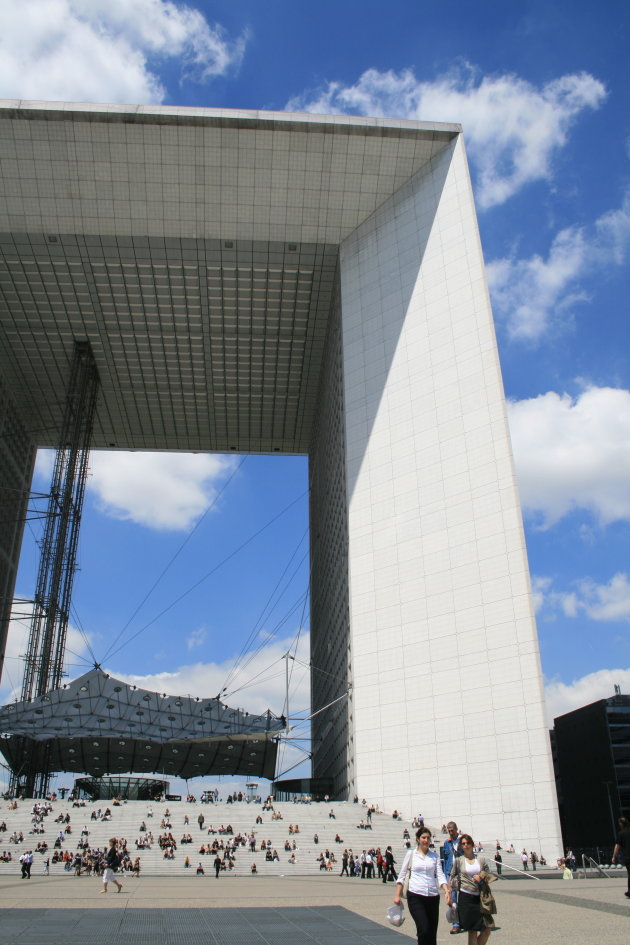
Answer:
(291, 910)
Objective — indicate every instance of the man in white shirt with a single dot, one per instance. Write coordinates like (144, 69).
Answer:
(451, 849)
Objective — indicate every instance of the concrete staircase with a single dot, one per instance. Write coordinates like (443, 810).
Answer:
(126, 819)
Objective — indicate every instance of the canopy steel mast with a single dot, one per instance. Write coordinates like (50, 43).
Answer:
(57, 565)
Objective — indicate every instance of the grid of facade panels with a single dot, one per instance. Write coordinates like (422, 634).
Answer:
(180, 173)
(331, 666)
(199, 344)
(17, 457)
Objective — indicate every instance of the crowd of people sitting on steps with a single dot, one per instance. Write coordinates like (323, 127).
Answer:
(88, 860)
(372, 863)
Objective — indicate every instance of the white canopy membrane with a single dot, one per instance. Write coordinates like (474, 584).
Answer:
(100, 725)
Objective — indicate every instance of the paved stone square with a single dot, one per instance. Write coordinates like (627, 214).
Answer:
(321, 910)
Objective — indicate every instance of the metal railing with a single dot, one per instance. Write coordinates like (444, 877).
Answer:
(581, 874)
(526, 873)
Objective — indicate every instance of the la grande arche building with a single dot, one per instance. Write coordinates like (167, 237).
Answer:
(268, 282)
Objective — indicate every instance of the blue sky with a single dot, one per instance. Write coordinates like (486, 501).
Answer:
(542, 93)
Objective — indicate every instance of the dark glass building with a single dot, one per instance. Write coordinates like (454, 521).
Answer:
(131, 789)
(591, 749)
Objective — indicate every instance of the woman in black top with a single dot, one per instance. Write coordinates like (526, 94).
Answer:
(113, 862)
(623, 846)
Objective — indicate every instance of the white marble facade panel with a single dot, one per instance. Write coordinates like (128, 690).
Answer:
(425, 369)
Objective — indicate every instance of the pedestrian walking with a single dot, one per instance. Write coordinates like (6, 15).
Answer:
(425, 882)
(113, 862)
(388, 868)
(451, 849)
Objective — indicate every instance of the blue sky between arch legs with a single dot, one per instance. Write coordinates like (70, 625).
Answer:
(542, 95)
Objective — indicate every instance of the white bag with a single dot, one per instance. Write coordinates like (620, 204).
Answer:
(396, 915)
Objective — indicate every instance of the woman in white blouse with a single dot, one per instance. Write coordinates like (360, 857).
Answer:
(425, 882)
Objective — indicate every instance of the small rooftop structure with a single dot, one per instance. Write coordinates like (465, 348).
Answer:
(100, 725)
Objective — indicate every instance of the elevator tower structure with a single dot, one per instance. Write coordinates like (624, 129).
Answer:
(43, 662)
(269, 282)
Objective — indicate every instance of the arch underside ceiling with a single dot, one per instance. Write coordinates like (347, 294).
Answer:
(196, 250)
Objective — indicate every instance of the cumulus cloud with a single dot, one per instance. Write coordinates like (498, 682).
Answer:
(158, 490)
(572, 453)
(528, 293)
(532, 294)
(44, 464)
(608, 602)
(196, 638)
(257, 684)
(565, 697)
(613, 231)
(540, 586)
(106, 50)
(164, 491)
(513, 128)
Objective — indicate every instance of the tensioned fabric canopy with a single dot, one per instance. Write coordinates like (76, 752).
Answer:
(100, 725)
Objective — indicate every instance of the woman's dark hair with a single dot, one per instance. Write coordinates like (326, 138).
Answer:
(624, 823)
(422, 830)
(466, 836)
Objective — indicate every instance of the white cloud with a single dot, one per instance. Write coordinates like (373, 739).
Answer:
(106, 50)
(528, 293)
(259, 685)
(513, 129)
(570, 604)
(164, 491)
(196, 638)
(157, 490)
(44, 465)
(531, 294)
(573, 454)
(540, 587)
(605, 603)
(565, 697)
(613, 231)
